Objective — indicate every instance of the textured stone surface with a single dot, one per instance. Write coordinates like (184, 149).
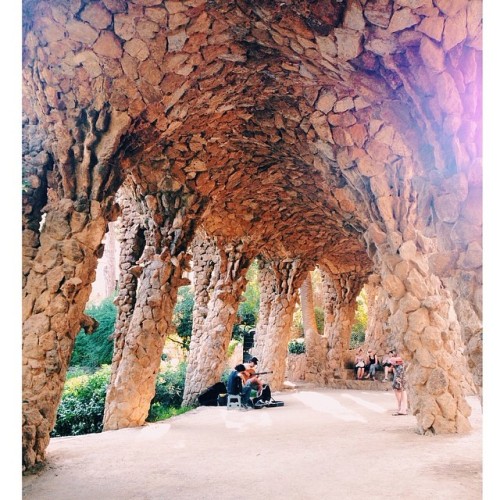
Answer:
(313, 132)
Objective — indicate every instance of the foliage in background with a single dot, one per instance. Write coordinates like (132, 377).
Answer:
(248, 309)
(297, 329)
(297, 346)
(183, 314)
(96, 349)
(319, 314)
(360, 321)
(231, 347)
(81, 410)
(82, 405)
(169, 391)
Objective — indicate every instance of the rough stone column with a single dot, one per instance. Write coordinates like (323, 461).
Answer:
(266, 280)
(376, 335)
(57, 289)
(70, 179)
(210, 340)
(205, 268)
(132, 242)
(340, 292)
(314, 342)
(272, 344)
(165, 259)
(426, 331)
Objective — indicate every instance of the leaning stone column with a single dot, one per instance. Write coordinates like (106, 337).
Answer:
(72, 179)
(205, 268)
(132, 242)
(342, 288)
(209, 342)
(165, 259)
(272, 345)
(425, 328)
(376, 335)
(266, 280)
(314, 342)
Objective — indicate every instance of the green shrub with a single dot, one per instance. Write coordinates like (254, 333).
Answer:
(96, 349)
(183, 314)
(158, 412)
(81, 409)
(297, 346)
(169, 391)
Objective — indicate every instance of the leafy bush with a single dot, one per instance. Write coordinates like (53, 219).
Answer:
(169, 391)
(158, 412)
(82, 405)
(297, 346)
(81, 410)
(96, 349)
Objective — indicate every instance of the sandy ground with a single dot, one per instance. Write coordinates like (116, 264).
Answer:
(323, 443)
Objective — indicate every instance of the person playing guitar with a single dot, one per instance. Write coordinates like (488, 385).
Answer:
(250, 375)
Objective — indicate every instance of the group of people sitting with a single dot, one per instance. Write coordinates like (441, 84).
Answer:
(366, 365)
(243, 379)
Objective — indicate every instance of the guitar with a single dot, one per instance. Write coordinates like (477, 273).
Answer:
(250, 373)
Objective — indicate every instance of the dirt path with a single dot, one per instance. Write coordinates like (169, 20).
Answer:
(323, 443)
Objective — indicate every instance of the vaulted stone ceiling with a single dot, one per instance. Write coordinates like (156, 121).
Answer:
(249, 103)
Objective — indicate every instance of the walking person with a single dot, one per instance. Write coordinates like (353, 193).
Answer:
(399, 385)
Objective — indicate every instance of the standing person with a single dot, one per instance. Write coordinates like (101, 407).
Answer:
(371, 365)
(399, 385)
(386, 363)
(359, 363)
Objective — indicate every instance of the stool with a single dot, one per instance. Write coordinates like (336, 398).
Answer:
(233, 401)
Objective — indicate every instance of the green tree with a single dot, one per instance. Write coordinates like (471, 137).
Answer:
(96, 349)
(183, 314)
(360, 320)
(248, 309)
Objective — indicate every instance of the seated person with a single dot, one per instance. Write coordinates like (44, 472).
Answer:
(371, 365)
(250, 381)
(386, 363)
(359, 366)
(235, 380)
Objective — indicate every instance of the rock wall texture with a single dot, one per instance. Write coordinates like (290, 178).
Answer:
(344, 132)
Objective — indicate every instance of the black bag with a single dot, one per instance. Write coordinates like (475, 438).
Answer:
(266, 393)
(209, 397)
(263, 399)
(222, 400)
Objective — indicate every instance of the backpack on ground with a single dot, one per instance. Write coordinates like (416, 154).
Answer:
(210, 396)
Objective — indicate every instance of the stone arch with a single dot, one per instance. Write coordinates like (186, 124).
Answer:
(312, 131)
